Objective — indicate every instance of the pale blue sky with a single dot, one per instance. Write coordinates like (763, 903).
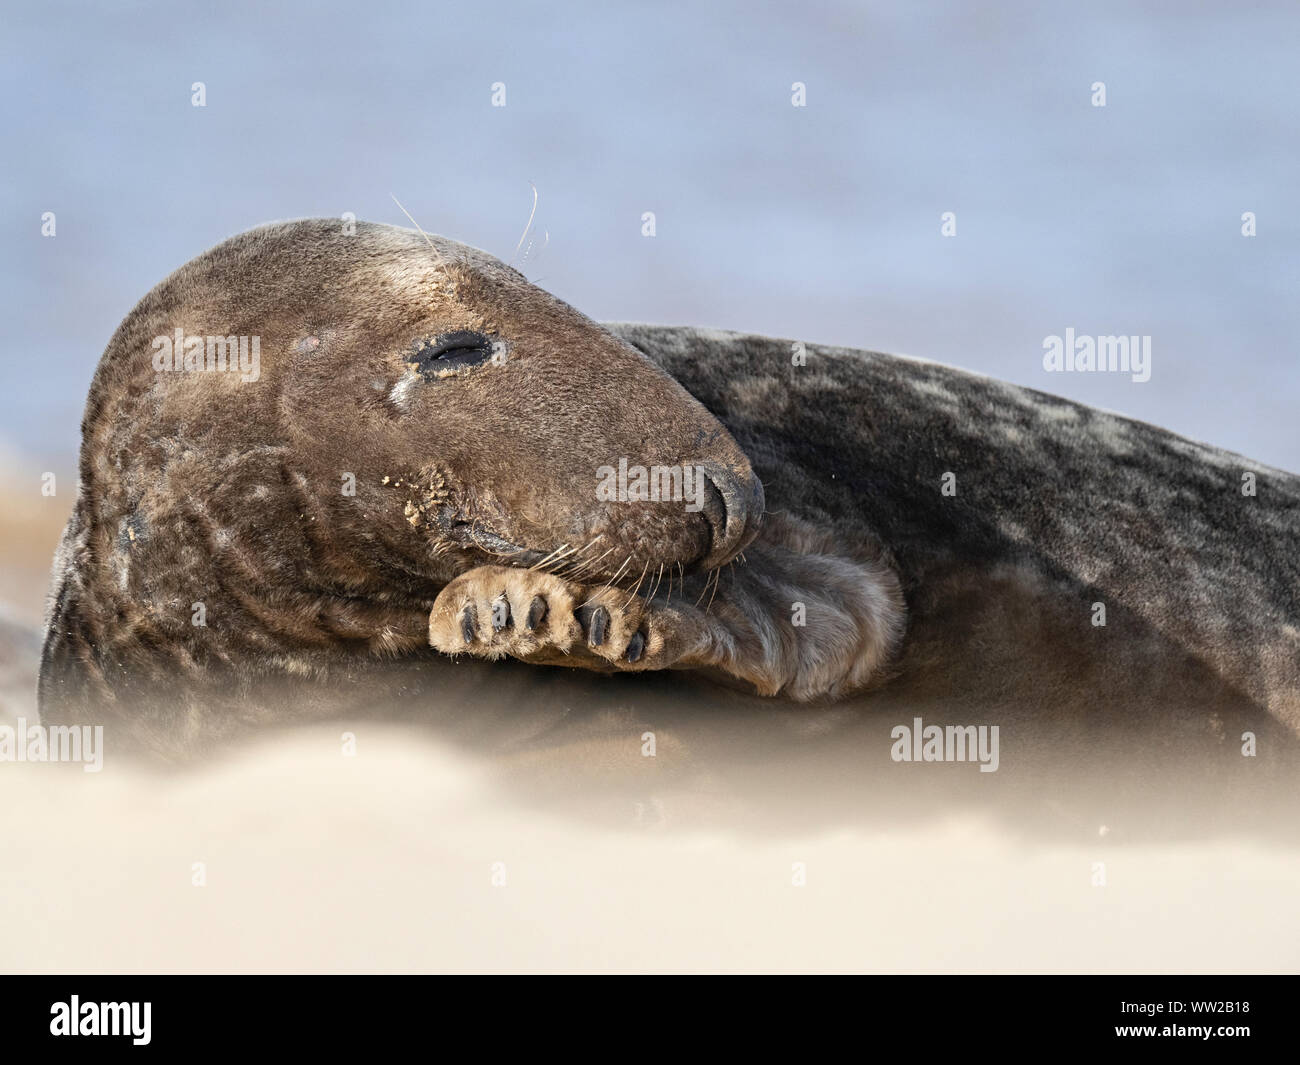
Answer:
(820, 223)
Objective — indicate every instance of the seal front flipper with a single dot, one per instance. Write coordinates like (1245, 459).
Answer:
(803, 614)
(796, 618)
(536, 617)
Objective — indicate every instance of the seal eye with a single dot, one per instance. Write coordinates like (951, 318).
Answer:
(451, 351)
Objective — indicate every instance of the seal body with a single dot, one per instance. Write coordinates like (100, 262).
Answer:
(1055, 557)
(428, 457)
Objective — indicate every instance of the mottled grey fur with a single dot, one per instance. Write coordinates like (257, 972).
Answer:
(1058, 506)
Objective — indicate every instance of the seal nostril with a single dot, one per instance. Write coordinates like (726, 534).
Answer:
(732, 507)
(715, 513)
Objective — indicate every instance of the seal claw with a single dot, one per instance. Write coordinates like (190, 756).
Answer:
(501, 613)
(635, 647)
(599, 626)
(536, 612)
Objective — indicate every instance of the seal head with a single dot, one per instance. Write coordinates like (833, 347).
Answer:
(306, 432)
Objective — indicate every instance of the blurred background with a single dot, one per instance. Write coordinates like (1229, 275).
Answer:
(820, 223)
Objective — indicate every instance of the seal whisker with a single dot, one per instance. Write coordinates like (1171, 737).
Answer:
(609, 583)
(589, 565)
(658, 580)
(637, 587)
(592, 542)
(573, 560)
(716, 583)
(442, 263)
(709, 578)
(564, 561)
(618, 574)
(556, 554)
(531, 214)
